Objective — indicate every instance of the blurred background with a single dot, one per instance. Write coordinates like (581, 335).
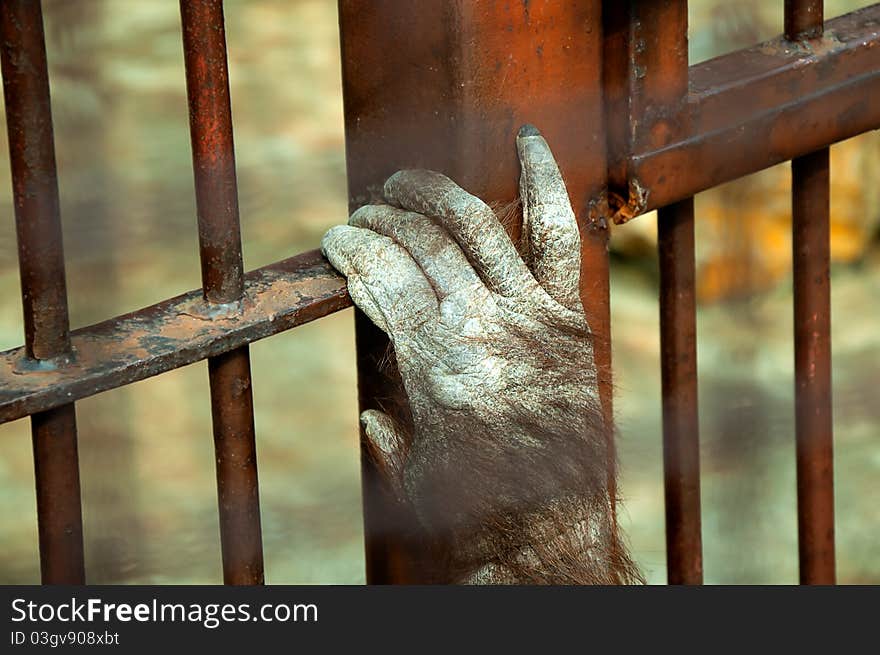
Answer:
(146, 452)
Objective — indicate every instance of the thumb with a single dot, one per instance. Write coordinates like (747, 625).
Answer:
(550, 228)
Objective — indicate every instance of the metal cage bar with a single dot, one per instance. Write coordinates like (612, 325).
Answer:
(232, 405)
(678, 366)
(658, 116)
(804, 19)
(678, 313)
(43, 285)
(647, 106)
(812, 335)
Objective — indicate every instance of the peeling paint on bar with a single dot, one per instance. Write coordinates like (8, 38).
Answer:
(172, 334)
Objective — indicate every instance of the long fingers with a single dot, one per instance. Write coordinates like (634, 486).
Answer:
(549, 226)
(470, 221)
(383, 280)
(438, 255)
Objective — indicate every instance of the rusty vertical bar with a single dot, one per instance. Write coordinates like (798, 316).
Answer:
(43, 285)
(678, 316)
(660, 50)
(804, 19)
(446, 86)
(812, 336)
(649, 41)
(210, 115)
(678, 366)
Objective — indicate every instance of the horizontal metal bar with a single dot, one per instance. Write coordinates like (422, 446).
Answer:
(172, 334)
(760, 106)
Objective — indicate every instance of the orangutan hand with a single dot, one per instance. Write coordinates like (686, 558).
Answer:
(508, 459)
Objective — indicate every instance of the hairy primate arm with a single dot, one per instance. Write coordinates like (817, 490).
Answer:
(506, 459)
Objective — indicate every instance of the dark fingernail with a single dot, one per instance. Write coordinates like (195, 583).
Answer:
(528, 130)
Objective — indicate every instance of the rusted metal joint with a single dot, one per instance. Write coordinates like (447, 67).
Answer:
(634, 204)
(806, 45)
(26, 365)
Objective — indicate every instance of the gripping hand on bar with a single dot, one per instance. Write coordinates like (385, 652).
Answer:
(506, 459)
